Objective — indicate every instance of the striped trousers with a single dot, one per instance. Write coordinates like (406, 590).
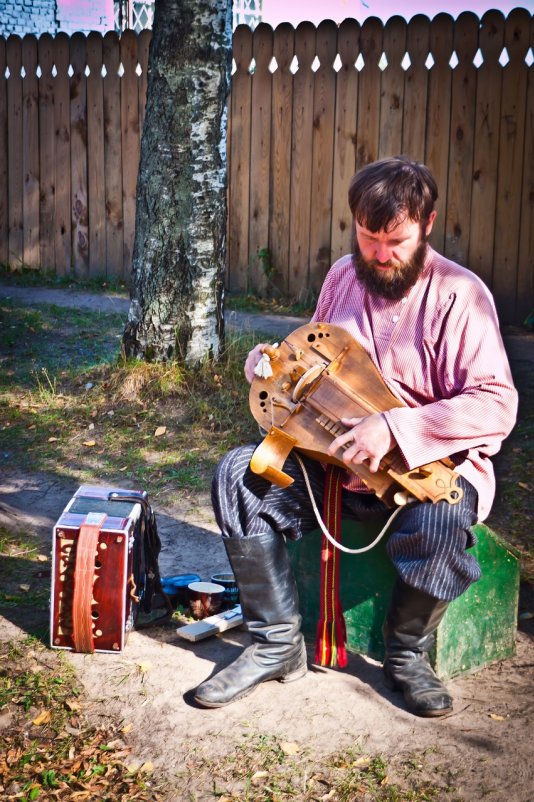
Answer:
(427, 542)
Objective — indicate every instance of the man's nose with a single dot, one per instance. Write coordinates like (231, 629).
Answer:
(382, 253)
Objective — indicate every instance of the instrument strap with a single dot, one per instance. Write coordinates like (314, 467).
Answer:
(84, 578)
(330, 648)
(326, 530)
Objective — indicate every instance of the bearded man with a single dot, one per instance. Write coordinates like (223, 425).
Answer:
(430, 328)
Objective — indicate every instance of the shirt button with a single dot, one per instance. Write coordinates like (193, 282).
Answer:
(404, 300)
(395, 318)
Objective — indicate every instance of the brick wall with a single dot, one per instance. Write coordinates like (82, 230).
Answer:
(27, 16)
(51, 16)
(85, 15)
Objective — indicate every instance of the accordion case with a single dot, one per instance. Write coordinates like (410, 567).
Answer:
(98, 577)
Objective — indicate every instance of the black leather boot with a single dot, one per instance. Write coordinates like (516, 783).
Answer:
(408, 630)
(269, 601)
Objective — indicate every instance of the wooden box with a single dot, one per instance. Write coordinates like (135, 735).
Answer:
(478, 628)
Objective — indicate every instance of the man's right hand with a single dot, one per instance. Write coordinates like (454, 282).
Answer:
(252, 360)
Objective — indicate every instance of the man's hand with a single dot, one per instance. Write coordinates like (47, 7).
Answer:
(252, 360)
(367, 438)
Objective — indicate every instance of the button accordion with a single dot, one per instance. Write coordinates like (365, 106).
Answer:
(104, 568)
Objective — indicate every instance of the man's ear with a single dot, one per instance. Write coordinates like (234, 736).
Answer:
(430, 222)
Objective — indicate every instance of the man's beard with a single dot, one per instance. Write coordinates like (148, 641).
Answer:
(394, 283)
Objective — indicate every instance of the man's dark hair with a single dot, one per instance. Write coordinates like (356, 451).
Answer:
(387, 192)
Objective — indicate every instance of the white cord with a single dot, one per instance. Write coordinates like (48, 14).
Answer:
(325, 531)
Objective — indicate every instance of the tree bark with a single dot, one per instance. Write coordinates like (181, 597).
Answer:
(176, 309)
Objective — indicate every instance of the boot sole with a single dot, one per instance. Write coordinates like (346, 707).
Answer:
(291, 677)
(391, 685)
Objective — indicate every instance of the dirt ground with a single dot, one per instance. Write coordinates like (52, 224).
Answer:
(482, 750)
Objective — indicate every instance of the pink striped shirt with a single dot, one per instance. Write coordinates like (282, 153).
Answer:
(439, 351)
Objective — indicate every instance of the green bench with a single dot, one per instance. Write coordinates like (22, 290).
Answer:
(478, 628)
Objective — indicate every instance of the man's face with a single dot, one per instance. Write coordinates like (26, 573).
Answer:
(390, 262)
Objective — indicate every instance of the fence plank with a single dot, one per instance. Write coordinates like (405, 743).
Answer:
(392, 89)
(239, 164)
(30, 152)
(511, 143)
(323, 156)
(113, 155)
(78, 142)
(63, 206)
(461, 144)
(416, 88)
(4, 219)
(95, 157)
(486, 147)
(301, 158)
(438, 117)
(260, 149)
(369, 92)
(525, 277)
(345, 136)
(130, 143)
(287, 179)
(143, 45)
(14, 147)
(282, 100)
(47, 161)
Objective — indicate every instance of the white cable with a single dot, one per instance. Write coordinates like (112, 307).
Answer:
(325, 531)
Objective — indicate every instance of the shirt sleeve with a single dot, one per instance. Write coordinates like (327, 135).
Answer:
(477, 404)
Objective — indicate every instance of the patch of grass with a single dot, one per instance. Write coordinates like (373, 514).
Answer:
(512, 514)
(272, 306)
(68, 399)
(48, 750)
(41, 346)
(266, 769)
(27, 277)
(24, 572)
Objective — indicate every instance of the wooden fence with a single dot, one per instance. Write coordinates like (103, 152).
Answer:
(308, 107)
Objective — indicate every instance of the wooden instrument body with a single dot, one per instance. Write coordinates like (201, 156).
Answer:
(113, 601)
(320, 374)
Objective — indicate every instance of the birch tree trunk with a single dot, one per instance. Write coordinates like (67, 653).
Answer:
(176, 309)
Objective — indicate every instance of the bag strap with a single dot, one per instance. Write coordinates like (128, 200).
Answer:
(84, 579)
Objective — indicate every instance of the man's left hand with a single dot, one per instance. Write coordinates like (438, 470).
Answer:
(366, 438)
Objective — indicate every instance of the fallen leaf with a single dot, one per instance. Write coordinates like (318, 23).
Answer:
(127, 728)
(258, 777)
(72, 730)
(148, 766)
(496, 717)
(42, 558)
(361, 761)
(523, 485)
(160, 431)
(53, 439)
(89, 443)
(144, 666)
(32, 426)
(43, 718)
(289, 748)
(25, 588)
(72, 704)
